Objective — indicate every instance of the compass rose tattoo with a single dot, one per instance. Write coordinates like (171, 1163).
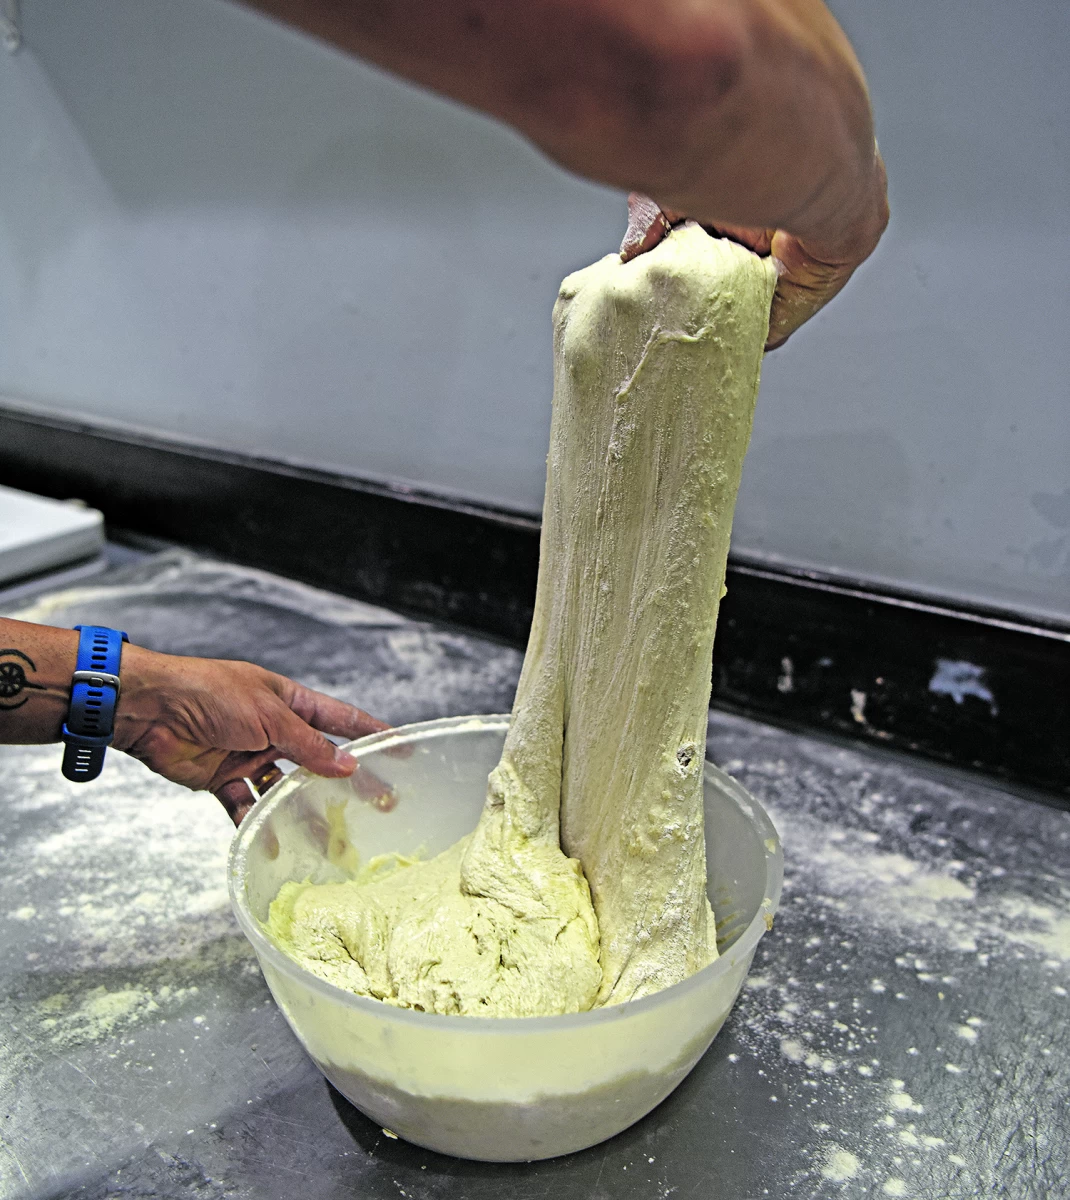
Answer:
(13, 681)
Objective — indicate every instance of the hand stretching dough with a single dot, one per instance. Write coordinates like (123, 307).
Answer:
(656, 373)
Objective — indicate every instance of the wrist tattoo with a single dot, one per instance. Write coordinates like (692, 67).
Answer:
(13, 681)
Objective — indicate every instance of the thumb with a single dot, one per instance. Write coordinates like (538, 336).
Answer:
(806, 285)
(296, 740)
(647, 225)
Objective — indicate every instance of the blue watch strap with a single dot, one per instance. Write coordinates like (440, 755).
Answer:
(90, 724)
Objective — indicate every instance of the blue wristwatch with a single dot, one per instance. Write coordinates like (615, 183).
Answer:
(90, 724)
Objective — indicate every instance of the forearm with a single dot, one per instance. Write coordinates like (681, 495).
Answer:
(202, 722)
(36, 665)
(40, 663)
(748, 112)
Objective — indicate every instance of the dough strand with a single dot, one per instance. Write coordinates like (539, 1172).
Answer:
(656, 373)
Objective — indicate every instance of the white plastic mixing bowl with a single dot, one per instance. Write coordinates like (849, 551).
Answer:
(501, 1089)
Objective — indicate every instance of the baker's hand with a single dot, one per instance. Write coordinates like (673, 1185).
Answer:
(210, 724)
(812, 269)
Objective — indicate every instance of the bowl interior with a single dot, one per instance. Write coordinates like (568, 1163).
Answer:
(434, 775)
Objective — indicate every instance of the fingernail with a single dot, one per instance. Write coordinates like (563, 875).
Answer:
(781, 268)
(345, 760)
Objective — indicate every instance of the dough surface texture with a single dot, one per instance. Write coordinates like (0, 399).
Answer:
(656, 373)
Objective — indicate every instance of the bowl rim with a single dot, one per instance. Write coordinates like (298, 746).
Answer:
(265, 948)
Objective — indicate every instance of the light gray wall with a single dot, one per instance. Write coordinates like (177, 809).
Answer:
(214, 228)
(918, 432)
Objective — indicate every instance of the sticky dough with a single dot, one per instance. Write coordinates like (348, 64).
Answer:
(656, 373)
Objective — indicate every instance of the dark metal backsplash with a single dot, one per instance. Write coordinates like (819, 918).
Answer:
(971, 688)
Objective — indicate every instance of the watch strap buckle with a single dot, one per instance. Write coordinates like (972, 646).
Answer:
(98, 679)
(95, 687)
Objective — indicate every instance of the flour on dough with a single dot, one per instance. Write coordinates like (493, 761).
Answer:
(656, 373)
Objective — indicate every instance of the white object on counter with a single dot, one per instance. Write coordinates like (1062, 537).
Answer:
(38, 534)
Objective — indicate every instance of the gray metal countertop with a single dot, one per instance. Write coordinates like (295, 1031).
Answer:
(902, 1033)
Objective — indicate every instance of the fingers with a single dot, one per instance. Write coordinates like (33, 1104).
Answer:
(229, 721)
(295, 719)
(237, 799)
(335, 716)
(758, 240)
(252, 776)
(815, 272)
(806, 282)
(249, 775)
(294, 738)
(805, 286)
(332, 716)
(377, 792)
(267, 778)
(647, 225)
(230, 782)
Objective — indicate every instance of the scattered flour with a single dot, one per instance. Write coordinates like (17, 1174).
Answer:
(181, 572)
(98, 1014)
(901, 1100)
(935, 901)
(918, 926)
(1038, 926)
(124, 873)
(839, 1165)
(130, 913)
(792, 1049)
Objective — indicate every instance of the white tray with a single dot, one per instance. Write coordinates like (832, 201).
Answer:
(38, 534)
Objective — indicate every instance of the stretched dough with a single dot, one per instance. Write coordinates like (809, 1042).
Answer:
(656, 373)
